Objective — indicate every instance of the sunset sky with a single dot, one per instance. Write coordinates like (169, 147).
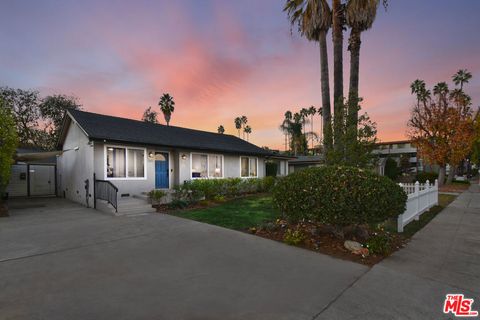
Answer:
(221, 59)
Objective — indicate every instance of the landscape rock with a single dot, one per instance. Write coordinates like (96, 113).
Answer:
(353, 246)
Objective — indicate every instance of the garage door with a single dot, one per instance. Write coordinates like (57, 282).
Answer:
(32, 180)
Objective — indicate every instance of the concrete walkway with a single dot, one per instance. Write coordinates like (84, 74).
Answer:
(442, 258)
(59, 260)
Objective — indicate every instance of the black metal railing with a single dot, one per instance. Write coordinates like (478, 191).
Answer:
(105, 190)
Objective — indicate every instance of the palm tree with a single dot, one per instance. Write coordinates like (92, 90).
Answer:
(244, 123)
(314, 19)
(338, 18)
(167, 105)
(285, 126)
(238, 124)
(441, 90)
(418, 88)
(312, 111)
(221, 129)
(304, 113)
(360, 15)
(462, 76)
(247, 130)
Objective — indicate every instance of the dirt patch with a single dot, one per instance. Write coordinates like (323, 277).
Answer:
(457, 188)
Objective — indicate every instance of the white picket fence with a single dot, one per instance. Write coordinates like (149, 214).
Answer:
(421, 197)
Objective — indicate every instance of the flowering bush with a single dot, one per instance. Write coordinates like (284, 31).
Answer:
(338, 196)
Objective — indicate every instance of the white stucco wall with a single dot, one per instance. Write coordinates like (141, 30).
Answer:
(74, 167)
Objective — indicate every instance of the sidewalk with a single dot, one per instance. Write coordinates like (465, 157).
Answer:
(442, 258)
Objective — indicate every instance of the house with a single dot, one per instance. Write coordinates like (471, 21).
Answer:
(136, 156)
(302, 162)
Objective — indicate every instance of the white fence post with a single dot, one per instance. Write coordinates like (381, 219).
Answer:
(427, 190)
(400, 223)
(436, 188)
(417, 199)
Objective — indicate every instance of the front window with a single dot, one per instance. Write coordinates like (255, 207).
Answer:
(207, 166)
(249, 167)
(125, 162)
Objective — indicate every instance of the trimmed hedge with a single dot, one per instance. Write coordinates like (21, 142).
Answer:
(338, 196)
(229, 187)
(422, 177)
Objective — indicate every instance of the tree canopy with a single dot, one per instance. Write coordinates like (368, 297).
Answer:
(8, 144)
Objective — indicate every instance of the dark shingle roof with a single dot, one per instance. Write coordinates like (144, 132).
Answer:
(102, 127)
(307, 159)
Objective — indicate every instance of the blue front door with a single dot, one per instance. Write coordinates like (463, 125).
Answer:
(161, 170)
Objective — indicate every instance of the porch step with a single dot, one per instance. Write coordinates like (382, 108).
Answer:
(126, 206)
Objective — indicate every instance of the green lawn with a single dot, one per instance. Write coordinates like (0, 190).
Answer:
(237, 214)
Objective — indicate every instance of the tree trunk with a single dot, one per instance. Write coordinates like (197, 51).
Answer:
(451, 174)
(441, 176)
(325, 80)
(352, 121)
(337, 9)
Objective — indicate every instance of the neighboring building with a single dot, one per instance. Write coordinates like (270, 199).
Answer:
(137, 156)
(302, 162)
(33, 173)
(396, 150)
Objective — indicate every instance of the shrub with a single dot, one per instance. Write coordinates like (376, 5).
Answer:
(294, 238)
(271, 169)
(379, 244)
(422, 177)
(391, 169)
(157, 194)
(338, 196)
(229, 187)
(178, 204)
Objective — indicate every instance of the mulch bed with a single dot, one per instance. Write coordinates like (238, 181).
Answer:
(328, 243)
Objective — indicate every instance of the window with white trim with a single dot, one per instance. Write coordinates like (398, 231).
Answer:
(125, 162)
(248, 167)
(207, 166)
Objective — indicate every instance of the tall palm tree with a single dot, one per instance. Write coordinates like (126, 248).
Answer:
(221, 129)
(247, 130)
(244, 123)
(238, 124)
(462, 76)
(312, 111)
(314, 19)
(338, 20)
(285, 126)
(304, 113)
(418, 88)
(441, 90)
(360, 15)
(167, 105)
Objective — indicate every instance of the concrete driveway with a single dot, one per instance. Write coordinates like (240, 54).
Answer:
(59, 260)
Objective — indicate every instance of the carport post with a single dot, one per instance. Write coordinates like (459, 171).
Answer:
(94, 194)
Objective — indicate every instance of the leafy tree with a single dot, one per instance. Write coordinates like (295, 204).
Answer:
(23, 105)
(150, 115)
(358, 152)
(442, 127)
(167, 106)
(221, 129)
(53, 109)
(8, 143)
(405, 163)
(314, 19)
(238, 124)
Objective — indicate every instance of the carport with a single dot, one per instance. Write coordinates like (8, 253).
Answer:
(33, 174)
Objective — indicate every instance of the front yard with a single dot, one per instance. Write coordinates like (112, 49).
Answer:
(256, 214)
